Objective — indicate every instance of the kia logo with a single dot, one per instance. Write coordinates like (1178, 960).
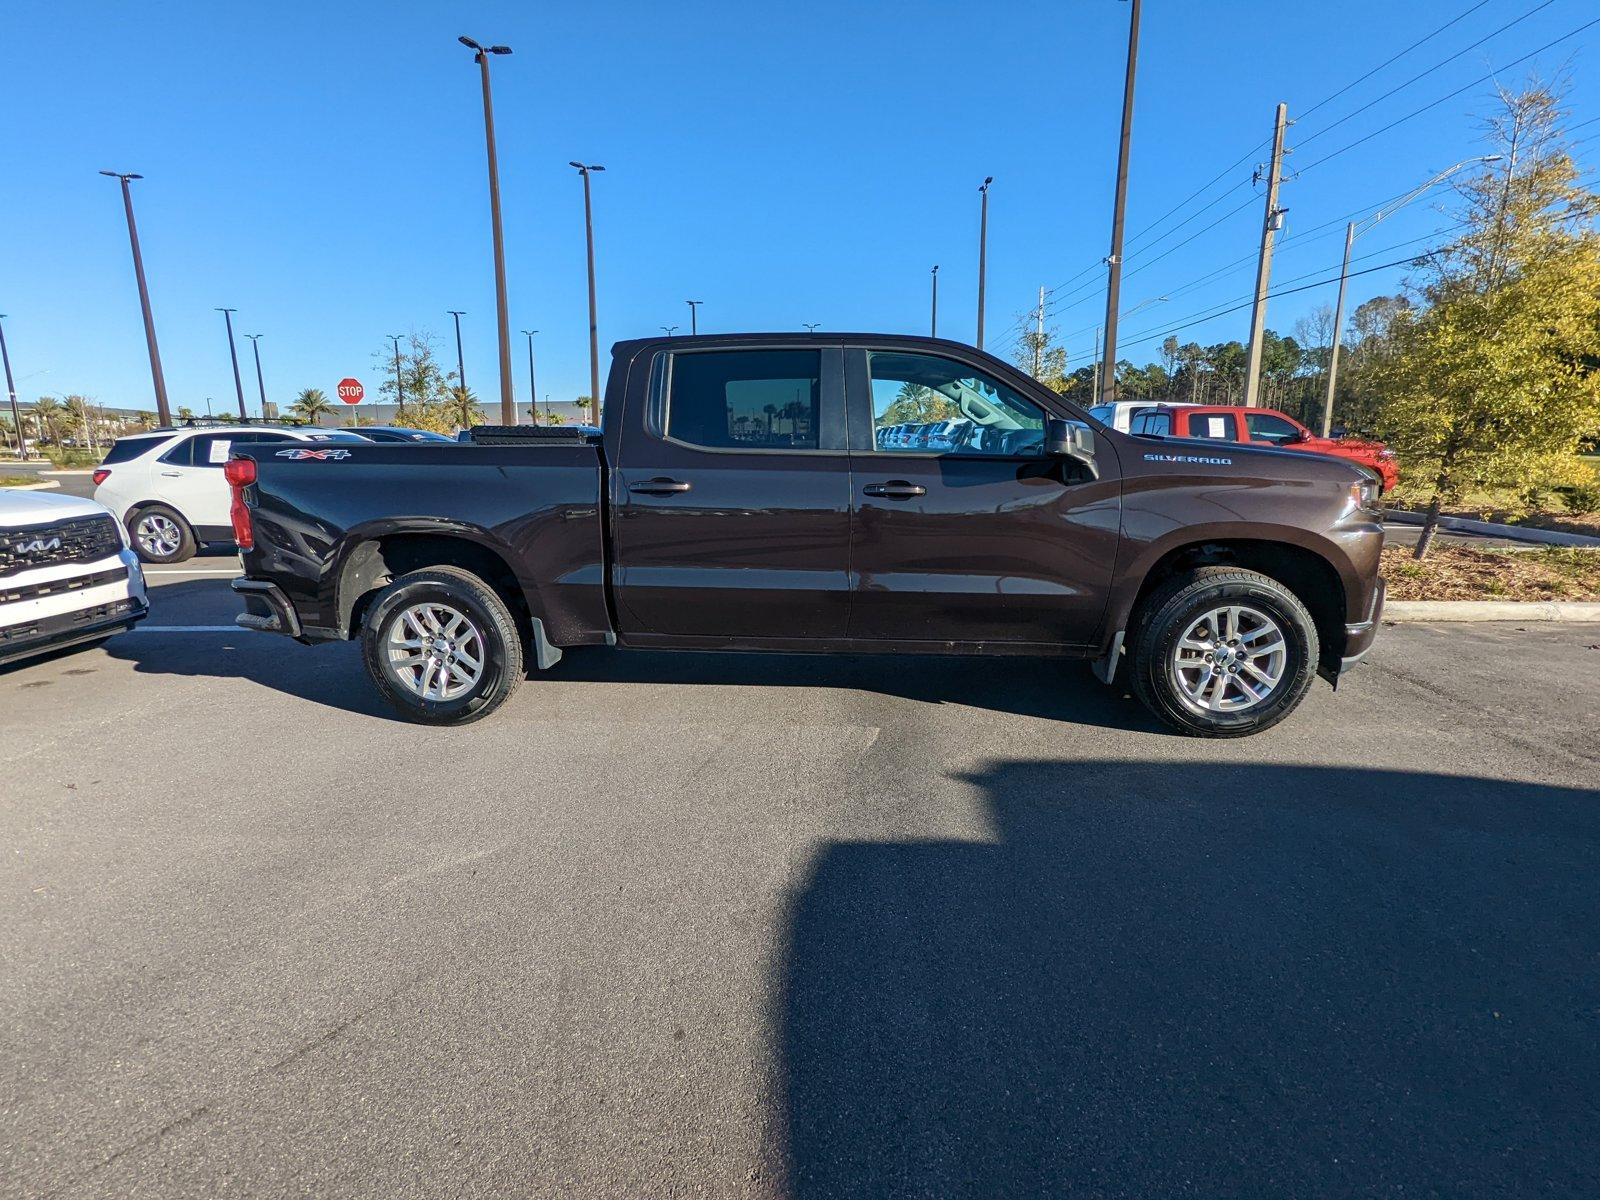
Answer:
(37, 546)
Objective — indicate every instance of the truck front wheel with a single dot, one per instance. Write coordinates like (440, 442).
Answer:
(442, 646)
(1222, 652)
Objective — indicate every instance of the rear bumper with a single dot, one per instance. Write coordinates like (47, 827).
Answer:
(48, 634)
(266, 608)
(1358, 638)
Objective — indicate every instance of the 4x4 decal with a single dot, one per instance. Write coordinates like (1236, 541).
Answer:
(318, 455)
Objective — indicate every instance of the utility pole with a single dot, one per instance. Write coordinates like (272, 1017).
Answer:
(11, 389)
(933, 324)
(163, 414)
(255, 344)
(461, 362)
(399, 385)
(533, 388)
(1344, 272)
(233, 352)
(1107, 390)
(508, 404)
(1038, 337)
(1269, 232)
(1095, 390)
(586, 170)
(983, 249)
(694, 316)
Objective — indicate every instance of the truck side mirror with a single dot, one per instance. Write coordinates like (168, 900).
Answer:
(1071, 439)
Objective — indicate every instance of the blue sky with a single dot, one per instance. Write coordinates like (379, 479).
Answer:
(321, 169)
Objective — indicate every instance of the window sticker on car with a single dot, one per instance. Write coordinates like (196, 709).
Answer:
(316, 455)
(219, 450)
(1217, 427)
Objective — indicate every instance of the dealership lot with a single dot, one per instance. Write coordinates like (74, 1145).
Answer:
(750, 925)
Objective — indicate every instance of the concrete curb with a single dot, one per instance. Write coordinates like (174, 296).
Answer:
(1516, 533)
(1489, 610)
(33, 487)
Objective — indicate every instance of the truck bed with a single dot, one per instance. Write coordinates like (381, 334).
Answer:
(321, 513)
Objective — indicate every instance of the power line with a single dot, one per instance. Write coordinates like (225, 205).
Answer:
(1451, 96)
(1201, 319)
(1393, 59)
(1376, 100)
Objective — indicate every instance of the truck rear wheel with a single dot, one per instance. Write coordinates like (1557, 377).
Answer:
(442, 646)
(1222, 652)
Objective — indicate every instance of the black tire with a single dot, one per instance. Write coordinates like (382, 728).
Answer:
(148, 524)
(489, 619)
(1169, 612)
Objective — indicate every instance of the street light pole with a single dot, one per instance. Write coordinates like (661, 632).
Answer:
(669, 330)
(1344, 271)
(11, 390)
(694, 313)
(399, 385)
(533, 390)
(163, 414)
(933, 323)
(587, 170)
(983, 250)
(1108, 363)
(233, 353)
(461, 362)
(508, 404)
(255, 344)
(811, 326)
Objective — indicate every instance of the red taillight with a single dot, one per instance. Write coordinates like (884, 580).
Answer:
(240, 474)
(100, 476)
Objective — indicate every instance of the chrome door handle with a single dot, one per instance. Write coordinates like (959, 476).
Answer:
(895, 489)
(659, 487)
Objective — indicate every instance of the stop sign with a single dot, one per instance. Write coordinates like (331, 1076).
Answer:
(351, 391)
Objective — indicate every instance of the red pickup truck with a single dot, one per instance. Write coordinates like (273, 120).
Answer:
(1267, 426)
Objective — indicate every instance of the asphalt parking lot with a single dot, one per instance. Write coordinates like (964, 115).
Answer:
(748, 925)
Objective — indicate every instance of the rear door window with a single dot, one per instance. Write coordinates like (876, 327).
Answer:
(746, 399)
(1218, 427)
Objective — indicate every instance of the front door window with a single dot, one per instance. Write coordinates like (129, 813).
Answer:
(923, 404)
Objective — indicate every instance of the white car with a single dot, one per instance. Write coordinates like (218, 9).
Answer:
(67, 576)
(166, 486)
(1118, 413)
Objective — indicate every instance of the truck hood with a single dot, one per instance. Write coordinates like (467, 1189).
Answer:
(19, 508)
(1286, 464)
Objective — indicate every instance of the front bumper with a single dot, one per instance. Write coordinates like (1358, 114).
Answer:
(266, 608)
(48, 634)
(1358, 638)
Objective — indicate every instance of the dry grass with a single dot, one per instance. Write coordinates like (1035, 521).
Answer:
(1456, 573)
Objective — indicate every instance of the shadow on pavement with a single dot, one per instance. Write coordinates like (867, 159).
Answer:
(1058, 689)
(1188, 979)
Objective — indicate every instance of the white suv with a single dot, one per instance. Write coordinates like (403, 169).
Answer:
(167, 489)
(67, 577)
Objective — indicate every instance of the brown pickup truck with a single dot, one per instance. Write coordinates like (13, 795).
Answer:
(752, 492)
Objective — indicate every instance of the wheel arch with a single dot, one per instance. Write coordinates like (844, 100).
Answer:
(370, 561)
(1313, 578)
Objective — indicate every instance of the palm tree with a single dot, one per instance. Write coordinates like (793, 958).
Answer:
(311, 404)
(462, 407)
(46, 414)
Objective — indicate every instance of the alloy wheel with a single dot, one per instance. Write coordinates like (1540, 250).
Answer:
(435, 651)
(1230, 659)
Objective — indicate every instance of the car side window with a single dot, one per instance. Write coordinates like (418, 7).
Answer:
(182, 454)
(1218, 427)
(745, 399)
(948, 408)
(1158, 423)
(1268, 427)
